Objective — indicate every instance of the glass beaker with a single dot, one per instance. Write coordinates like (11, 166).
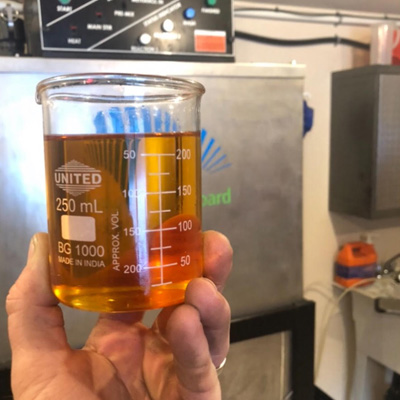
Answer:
(123, 175)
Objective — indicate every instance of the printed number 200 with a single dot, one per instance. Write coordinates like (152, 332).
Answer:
(183, 154)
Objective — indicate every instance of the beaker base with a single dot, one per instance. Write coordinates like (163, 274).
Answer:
(121, 299)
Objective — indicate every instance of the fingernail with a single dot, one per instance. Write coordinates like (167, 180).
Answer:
(211, 283)
(32, 247)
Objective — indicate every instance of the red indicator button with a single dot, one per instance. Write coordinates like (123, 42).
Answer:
(209, 41)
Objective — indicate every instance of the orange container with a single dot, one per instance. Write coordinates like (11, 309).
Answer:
(355, 261)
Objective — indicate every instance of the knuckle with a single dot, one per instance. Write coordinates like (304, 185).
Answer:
(13, 299)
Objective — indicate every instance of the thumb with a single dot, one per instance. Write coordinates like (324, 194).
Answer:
(35, 322)
(195, 371)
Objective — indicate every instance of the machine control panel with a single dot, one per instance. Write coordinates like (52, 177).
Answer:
(170, 29)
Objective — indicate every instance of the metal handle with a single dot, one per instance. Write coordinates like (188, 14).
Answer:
(387, 305)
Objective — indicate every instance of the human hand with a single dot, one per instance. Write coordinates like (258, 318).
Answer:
(175, 359)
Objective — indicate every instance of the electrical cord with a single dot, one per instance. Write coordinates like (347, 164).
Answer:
(277, 9)
(336, 14)
(288, 396)
(301, 42)
(325, 322)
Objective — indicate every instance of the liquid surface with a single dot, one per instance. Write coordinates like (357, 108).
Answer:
(124, 216)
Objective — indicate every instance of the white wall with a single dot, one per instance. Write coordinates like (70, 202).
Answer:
(322, 232)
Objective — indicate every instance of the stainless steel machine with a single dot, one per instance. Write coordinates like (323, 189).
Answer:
(252, 173)
(150, 29)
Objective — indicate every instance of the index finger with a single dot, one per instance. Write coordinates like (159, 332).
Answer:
(217, 258)
(217, 266)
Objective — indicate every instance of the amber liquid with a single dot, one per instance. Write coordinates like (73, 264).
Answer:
(124, 219)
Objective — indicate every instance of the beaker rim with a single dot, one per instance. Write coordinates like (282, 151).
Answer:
(186, 87)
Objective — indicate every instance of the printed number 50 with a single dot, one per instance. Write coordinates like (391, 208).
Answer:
(185, 260)
(129, 154)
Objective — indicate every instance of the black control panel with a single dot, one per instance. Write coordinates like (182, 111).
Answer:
(161, 29)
